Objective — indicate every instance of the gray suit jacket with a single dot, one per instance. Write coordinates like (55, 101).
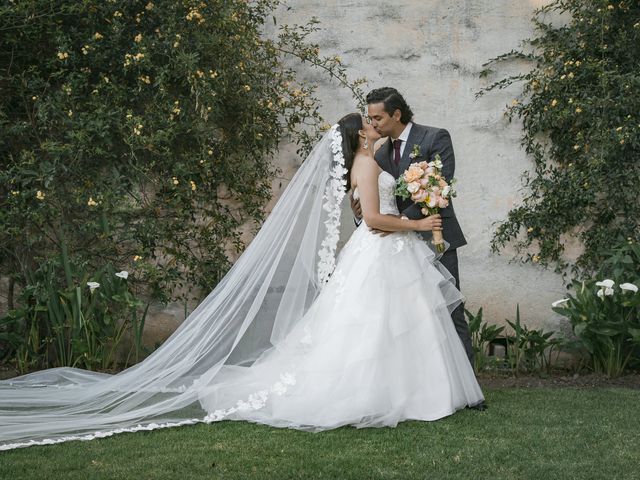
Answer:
(431, 140)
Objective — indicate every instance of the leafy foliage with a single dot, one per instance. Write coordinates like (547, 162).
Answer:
(579, 107)
(482, 335)
(529, 349)
(138, 134)
(607, 321)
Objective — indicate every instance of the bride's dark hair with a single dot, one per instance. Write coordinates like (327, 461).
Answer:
(349, 126)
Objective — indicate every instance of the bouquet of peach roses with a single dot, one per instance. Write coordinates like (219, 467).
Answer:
(426, 186)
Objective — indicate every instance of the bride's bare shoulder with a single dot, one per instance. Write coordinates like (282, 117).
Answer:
(365, 169)
(364, 162)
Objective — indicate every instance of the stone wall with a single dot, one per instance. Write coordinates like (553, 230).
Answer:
(433, 51)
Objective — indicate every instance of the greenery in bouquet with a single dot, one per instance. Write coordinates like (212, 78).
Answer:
(424, 184)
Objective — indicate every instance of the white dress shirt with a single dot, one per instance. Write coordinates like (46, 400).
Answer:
(404, 136)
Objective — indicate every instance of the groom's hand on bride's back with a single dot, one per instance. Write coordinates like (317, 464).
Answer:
(355, 207)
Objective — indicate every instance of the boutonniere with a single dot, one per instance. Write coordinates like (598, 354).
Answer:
(415, 153)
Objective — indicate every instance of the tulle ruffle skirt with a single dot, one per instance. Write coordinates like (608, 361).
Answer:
(377, 347)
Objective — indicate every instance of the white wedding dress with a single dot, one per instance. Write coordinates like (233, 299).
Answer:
(290, 337)
(377, 346)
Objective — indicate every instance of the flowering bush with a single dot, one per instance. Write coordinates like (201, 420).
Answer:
(82, 325)
(139, 134)
(605, 314)
(579, 108)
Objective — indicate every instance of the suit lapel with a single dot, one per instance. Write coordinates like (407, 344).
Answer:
(416, 134)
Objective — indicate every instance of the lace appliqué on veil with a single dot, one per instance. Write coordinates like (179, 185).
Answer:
(333, 196)
(255, 401)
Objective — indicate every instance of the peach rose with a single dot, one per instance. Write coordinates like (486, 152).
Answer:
(413, 174)
(420, 196)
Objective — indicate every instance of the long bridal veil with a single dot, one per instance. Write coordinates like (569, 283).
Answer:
(255, 305)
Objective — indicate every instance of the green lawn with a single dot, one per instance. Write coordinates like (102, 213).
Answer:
(526, 433)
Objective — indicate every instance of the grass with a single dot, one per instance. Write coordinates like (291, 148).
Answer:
(526, 433)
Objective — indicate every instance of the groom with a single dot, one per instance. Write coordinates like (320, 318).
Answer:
(392, 118)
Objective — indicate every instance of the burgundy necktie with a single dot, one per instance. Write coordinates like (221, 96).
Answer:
(396, 151)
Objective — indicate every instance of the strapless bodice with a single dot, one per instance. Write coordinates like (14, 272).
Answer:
(386, 191)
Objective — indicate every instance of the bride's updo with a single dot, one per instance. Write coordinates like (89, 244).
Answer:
(349, 126)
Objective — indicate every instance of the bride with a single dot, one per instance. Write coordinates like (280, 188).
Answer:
(291, 337)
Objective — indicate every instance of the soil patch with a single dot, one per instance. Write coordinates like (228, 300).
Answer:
(562, 379)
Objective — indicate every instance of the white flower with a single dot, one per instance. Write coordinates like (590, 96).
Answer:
(438, 164)
(446, 190)
(557, 303)
(605, 291)
(629, 287)
(413, 187)
(606, 288)
(123, 274)
(92, 286)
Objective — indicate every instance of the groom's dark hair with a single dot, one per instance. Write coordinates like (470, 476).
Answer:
(392, 101)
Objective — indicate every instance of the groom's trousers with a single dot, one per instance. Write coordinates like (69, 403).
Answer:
(450, 261)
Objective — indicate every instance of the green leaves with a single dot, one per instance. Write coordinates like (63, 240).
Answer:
(579, 107)
(608, 325)
(148, 132)
(139, 134)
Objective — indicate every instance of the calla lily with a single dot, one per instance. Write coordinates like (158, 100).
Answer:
(607, 283)
(605, 292)
(123, 274)
(557, 303)
(92, 286)
(629, 287)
